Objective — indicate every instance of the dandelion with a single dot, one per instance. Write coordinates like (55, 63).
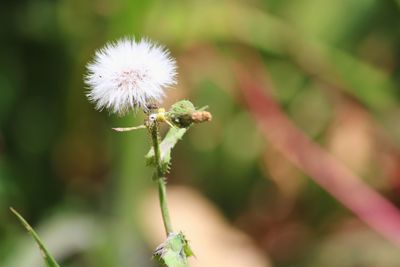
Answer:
(126, 75)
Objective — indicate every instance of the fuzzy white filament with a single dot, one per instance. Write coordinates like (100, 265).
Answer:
(126, 75)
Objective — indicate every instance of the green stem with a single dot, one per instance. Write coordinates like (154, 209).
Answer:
(164, 206)
(160, 179)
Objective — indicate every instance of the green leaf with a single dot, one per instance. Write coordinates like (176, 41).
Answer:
(48, 258)
(179, 115)
(174, 251)
(170, 140)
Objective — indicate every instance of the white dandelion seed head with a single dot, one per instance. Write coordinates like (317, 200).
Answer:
(126, 75)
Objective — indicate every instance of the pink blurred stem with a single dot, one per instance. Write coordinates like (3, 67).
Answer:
(372, 208)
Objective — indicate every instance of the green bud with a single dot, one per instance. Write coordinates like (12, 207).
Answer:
(180, 114)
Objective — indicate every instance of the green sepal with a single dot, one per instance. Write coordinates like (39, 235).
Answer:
(174, 251)
(48, 258)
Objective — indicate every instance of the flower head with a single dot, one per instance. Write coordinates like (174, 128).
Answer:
(127, 74)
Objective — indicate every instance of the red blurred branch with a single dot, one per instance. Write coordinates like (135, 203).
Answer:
(372, 208)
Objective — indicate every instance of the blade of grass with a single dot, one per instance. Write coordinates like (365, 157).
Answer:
(48, 258)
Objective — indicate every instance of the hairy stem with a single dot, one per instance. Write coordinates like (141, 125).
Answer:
(160, 179)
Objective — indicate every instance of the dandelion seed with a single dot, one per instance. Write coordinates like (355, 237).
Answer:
(127, 75)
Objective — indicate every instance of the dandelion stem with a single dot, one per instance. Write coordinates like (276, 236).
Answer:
(164, 206)
(162, 193)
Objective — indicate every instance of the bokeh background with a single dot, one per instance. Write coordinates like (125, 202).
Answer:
(332, 66)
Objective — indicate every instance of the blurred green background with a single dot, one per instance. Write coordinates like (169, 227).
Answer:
(335, 69)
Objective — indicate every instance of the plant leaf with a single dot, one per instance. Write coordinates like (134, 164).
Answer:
(48, 258)
(180, 116)
(174, 251)
(170, 140)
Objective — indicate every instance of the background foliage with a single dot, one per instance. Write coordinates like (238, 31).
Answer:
(334, 70)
